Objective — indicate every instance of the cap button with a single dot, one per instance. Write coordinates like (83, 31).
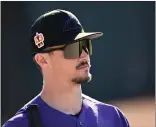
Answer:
(81, 123)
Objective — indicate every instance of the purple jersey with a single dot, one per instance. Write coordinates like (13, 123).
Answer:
(93, 114)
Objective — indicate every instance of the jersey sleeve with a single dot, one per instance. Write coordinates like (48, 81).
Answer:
(122, 118)
(19, 120)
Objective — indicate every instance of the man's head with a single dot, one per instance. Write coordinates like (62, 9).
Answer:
(61, 47)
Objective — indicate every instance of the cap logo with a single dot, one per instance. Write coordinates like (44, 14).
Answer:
(39, 40)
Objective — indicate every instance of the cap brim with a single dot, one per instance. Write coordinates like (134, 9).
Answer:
(91, 35)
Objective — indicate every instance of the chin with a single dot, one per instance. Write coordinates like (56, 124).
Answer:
(83, 78)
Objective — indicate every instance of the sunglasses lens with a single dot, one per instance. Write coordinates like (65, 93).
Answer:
(74, 50)
(71, 51)
(86, 45)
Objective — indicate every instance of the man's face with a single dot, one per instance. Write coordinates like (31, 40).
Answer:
(76, 70)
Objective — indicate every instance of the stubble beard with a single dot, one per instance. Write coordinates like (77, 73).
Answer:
(82, 80)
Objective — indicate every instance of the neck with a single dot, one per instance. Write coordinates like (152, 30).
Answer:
(65, 97)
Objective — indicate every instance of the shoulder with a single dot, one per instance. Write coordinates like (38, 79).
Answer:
(121, 116)
(18, 120)
(106, 110)
(93, 102)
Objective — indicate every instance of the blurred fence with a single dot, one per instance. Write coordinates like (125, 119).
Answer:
(140, 111)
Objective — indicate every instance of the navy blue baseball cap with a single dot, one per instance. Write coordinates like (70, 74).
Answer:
(57, 27)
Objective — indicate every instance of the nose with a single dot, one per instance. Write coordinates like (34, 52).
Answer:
(84, 54)
(84, 57)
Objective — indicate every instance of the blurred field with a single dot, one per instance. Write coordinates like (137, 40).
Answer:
(139, 111)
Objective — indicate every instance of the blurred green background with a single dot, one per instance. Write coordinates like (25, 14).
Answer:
(122, 60)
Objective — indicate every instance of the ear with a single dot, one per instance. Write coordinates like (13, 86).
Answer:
(40, 60)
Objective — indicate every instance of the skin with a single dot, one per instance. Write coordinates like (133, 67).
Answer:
(62, 80)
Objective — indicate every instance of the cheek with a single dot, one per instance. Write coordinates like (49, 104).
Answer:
(64, 66)
(68, 66)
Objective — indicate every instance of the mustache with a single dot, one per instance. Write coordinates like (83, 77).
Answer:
(83, 63)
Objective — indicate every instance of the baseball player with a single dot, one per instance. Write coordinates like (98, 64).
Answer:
(62, 49)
